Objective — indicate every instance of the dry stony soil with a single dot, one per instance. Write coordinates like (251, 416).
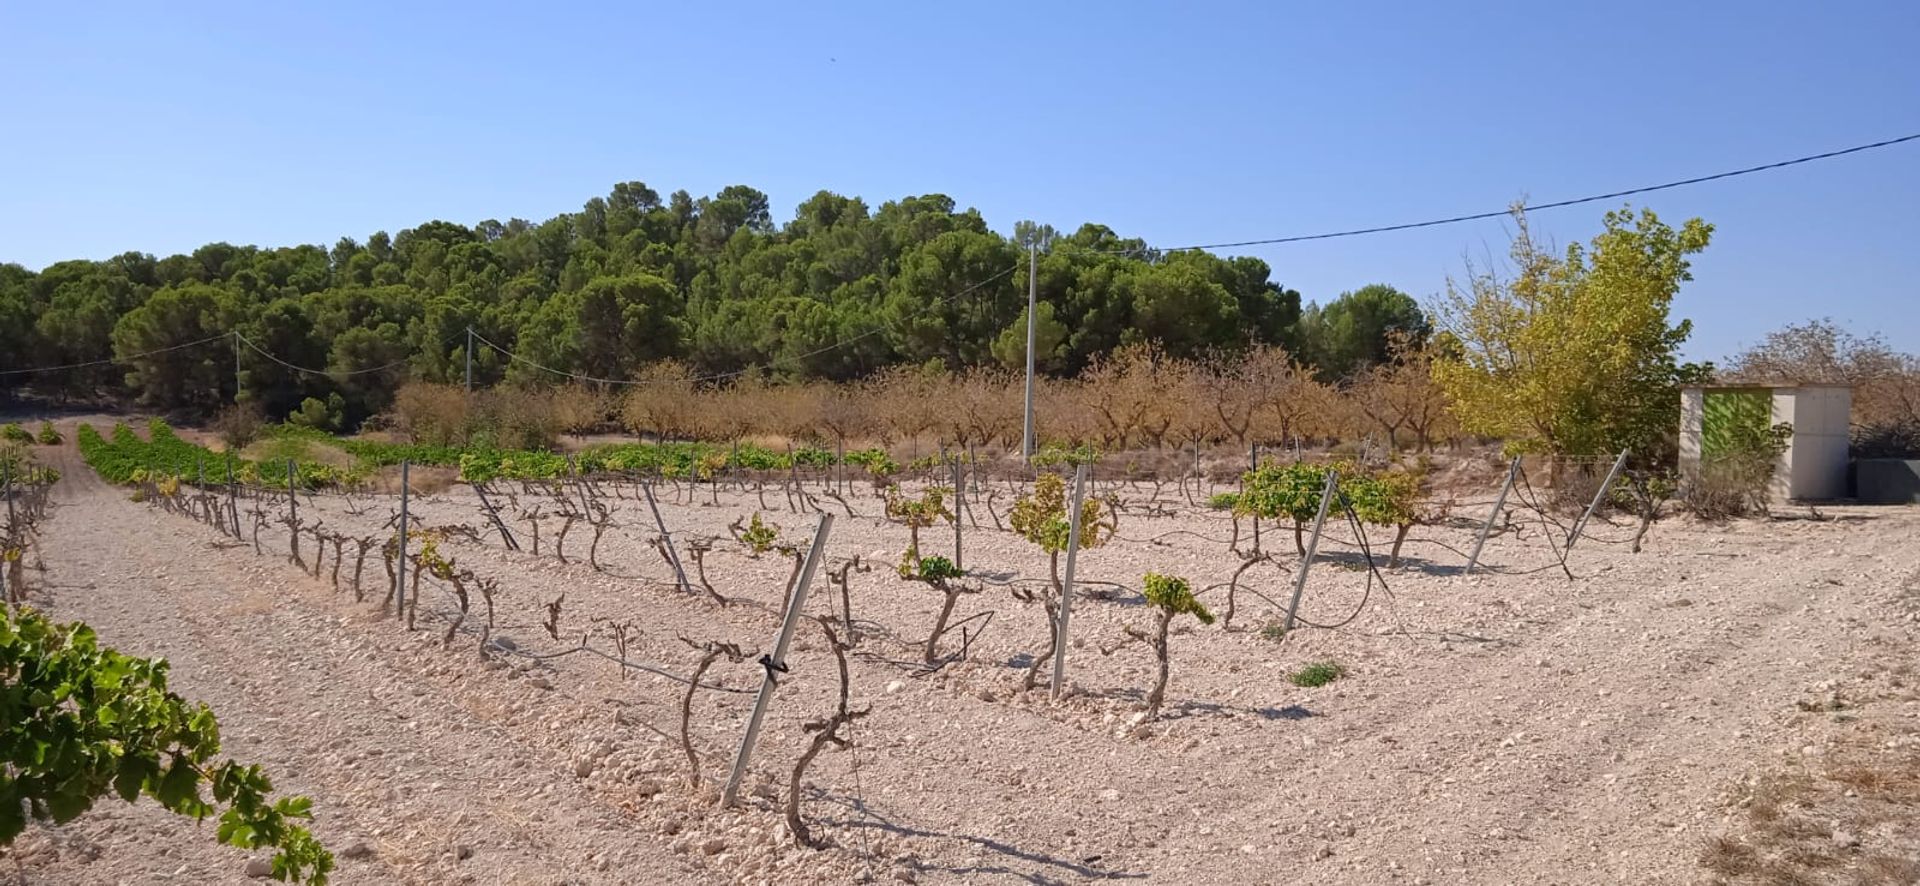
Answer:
(1734, 704)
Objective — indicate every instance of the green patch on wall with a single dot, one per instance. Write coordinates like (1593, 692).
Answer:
(1730, 418)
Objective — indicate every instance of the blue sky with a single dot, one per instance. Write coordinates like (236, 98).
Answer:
(160, 127)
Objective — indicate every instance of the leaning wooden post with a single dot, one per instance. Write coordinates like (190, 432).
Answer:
(1499, 502)
(1598, 497)
(673, 554)
(1066, 588)
(400, 559)
(777, 661)
(1313, 547)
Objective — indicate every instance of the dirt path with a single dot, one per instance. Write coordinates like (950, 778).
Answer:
(1493, 729)
(409, 786)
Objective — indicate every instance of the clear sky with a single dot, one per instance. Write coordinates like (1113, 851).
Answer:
(160, 127)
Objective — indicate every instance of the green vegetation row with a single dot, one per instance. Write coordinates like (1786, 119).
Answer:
(123, 457)
(1293, 491)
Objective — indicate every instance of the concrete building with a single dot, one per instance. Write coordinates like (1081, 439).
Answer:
(1814, 465)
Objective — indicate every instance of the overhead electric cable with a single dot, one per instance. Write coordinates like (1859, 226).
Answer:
(1478, 216)
(262, 352)
(113, 360)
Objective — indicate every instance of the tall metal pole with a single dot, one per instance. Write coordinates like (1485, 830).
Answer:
(1066, 588)
(1598, 496)
(777, 662)
(236, 366)
(1033, 301)
(1313, 547)
(1499, 502)
(469, 359)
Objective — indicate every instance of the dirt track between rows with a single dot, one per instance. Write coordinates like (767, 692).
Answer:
(1491, 729)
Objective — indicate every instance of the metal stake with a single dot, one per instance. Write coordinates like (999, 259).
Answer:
(1253, 464)
(666, 538)
(1500, 502)
(1313, 546)
(1581, 525)
(777, 662)
(233, 507)
(1066, 589)
(400, 570)
(959, 505)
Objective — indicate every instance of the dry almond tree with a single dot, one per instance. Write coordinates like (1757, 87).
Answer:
(578, 408)
(910, 402)
(983, 406)
(1401, 394)
(1062, 413)
(664, 403)
(1112, 389)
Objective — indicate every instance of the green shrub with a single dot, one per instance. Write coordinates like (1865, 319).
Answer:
(14, 433)
(1319, 673)
(84, 722)
(49, 435)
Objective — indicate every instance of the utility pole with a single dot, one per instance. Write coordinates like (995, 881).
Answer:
(236, 366)
(1033, 300)
(469, 360)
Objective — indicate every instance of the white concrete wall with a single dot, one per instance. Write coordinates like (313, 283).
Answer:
(1693, 405)
(1786, 410)
(1817, 456)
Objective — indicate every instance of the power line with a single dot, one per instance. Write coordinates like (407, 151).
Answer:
(738, 372)
(258, 350)
(1478, 216)
(112, 360)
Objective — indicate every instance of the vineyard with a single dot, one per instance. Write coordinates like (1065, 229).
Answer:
(549, 667)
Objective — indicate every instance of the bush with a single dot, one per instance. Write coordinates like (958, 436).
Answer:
(84, 722)
(49, 435)
(439, 415)
(1224, 501)
(14, 433)
(1894, 439)
(239, 425)
(318, 415)
(1733, 482)
(1317, 674)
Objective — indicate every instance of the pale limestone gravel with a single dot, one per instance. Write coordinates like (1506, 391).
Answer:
(1491, 729)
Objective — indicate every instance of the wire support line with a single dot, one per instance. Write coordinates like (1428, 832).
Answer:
(722, 376)
(112, 360)
(1531, 207)
(311, 371)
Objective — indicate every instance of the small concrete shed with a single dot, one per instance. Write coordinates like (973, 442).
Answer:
(1814, 466)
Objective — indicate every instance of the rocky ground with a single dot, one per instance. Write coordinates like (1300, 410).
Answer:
(1514, 725)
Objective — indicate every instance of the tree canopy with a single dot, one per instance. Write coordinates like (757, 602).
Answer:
(838, 292)
(1576, 353)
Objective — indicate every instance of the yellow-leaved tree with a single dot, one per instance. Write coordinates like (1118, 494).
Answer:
(1574, 354)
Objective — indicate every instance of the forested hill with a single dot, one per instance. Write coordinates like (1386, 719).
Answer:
(837, 292)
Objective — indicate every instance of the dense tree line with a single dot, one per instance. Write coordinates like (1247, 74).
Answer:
(837, 293)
